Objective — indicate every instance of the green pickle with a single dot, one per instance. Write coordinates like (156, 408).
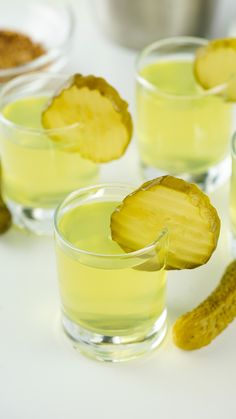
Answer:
(5, 217)
(215, 65)
(200, 326)
(177, 206)
(101, 123)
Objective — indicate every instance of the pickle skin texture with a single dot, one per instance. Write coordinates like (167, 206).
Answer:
(214, 65)
(176, 259)
(94, 146)
(5, 218)
(200, 326)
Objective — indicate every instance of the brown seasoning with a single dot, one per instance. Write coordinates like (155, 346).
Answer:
(17, 49)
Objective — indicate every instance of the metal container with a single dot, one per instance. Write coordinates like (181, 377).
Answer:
(136, 23)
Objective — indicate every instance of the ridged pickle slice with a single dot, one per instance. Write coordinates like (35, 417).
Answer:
(215, 65)
(199, 327)
(173, 204)
(104, 124)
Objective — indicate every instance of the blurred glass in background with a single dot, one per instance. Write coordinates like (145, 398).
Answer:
(136, 23)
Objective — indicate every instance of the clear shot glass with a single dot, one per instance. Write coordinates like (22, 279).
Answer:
(37, 171)
(112, 306)
(182, 129)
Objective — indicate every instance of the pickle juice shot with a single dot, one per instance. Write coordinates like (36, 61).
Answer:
(43, 156)
(114, 246)
(183, 124)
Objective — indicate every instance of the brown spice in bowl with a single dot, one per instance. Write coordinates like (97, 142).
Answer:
(17, 49)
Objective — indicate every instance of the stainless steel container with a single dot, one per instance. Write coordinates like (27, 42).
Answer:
(136, 23)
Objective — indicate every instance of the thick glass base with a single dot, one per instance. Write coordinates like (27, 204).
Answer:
(37, 220)
(207, 181)
(115, 348)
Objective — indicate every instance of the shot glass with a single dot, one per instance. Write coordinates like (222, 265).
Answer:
(182, 129)
(37, 172)
(112, 306)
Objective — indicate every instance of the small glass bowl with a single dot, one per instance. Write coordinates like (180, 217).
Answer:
(51, 25)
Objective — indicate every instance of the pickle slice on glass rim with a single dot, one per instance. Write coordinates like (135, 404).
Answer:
(215, 65)
(101, 125)
(168, 203)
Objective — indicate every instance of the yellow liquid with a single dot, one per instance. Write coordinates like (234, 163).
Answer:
(104, 295)
(36, 171)
(177, 134)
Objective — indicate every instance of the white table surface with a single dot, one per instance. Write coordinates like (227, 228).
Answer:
(41, 374)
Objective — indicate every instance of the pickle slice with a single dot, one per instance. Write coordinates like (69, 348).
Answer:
(104, 124)
(215, 65)
(180, 207)
(200, 326)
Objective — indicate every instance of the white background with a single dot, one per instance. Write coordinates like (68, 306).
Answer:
(41, 374)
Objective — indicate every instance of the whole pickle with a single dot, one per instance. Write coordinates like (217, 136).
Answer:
(201, 325)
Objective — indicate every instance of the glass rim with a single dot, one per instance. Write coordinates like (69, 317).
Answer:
(67, 244)
(233, 144)
(29, 78)
(52, 53)
(178, 40)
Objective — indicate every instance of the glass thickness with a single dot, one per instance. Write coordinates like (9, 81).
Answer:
(37, 172)
(111, 306)
(233, 196)
(182, 129)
